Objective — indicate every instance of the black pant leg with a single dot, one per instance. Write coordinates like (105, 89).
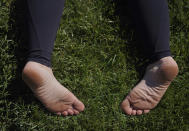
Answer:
(43, 19)
(151, 18)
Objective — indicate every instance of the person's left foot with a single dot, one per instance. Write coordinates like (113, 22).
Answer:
(149, 91)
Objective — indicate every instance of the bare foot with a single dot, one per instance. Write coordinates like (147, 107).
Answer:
(49, 91)
(149, 91)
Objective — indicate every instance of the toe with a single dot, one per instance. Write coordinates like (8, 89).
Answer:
(133, 112)
(76, 112)
(78, 105)
(58, 113)
(70, 111)
(146, 111)
(65, 113)
(139, 112)
(58, 107)
(126, 107)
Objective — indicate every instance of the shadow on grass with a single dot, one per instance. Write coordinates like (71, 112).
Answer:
(134, 49)
(17, 89)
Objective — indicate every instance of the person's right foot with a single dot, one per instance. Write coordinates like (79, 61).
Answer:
(49, 91)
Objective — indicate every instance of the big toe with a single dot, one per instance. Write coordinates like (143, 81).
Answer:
(78, 105)
(146, 111)
(125, 106)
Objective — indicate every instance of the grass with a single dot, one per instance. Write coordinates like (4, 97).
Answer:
(96, 57)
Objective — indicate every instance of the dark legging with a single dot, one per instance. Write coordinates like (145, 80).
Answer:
(43, 21)
(150, 17)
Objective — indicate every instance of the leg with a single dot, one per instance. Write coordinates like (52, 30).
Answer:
(43, 21)
(152, 25)
(43, 18)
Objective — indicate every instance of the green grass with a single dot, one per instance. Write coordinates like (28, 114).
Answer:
(95, 56)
